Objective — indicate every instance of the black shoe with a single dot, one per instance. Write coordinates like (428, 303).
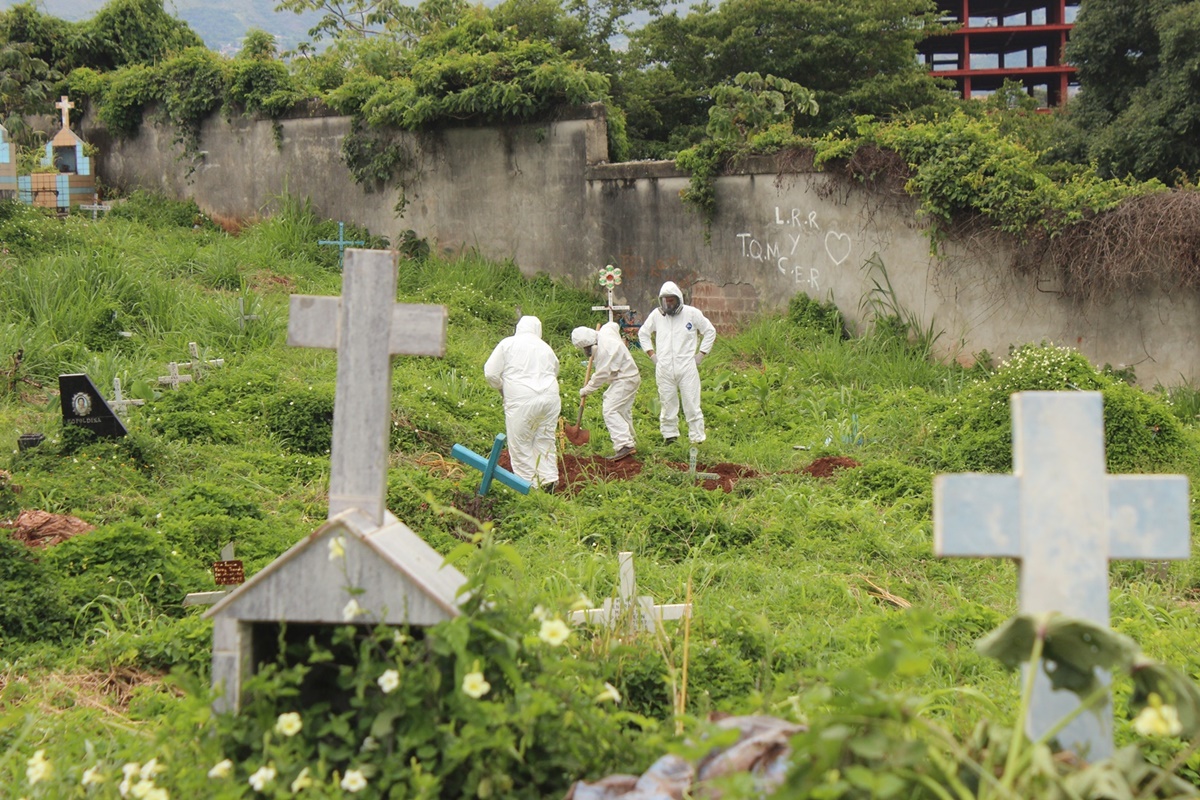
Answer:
(624, 452)
(669, 439)
(550, 488)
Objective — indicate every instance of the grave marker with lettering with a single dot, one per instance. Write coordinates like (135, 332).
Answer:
(1062, 518)
(84, 407)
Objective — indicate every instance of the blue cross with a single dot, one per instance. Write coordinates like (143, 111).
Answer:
(488, 466)
(341, 243)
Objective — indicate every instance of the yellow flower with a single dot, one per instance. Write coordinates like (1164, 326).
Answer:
(389, 680)
(262, 776)
(474, 685)
(1157, 718)
(91, 776)
(221, 769)
(337, 548)
(354, 781)
(289, 723)
(610, 693)
(303, 781)
(554, 632)
(37, 768)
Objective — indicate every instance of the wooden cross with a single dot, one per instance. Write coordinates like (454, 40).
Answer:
(119, 404)
(65, 105)
(341, 243)
(197, 363)
(367, 327)
(490, 467)
(639, 613)
(1063, 518)
(210, 598)
(173, 378)
(243, 317)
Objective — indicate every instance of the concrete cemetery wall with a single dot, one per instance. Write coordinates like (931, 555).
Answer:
(542, 195)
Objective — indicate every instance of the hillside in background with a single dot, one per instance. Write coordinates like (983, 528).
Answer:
(220, 23)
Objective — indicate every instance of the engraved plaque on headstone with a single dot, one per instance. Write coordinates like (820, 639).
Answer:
(228, 573)
(84, 407)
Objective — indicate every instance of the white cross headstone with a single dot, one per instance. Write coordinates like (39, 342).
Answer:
(197, 363)
(639, 612)
(611, 306)
(210, 598)
(65, 106)
(367, 327)
(1063, 518)
(96, 206)
(243, 317)
(119, 403)
(173, 378)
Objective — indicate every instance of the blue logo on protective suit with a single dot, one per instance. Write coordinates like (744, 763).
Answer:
(689, 326)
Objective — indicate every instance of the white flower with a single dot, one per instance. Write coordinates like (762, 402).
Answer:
(337, 548)
(150, 769)
(554, 632)
(582, 603)
(1157, 719)
(262, 776)
(474, 685)
(37, 768)
(141, 790)
(303, 781)
(399, 637)
(352, 610)
(610, 693)
(389, 680)
(538, 613)
(369, 745)
(354, 781)
(221, 769)
(157, 793)
(91, 776)
(289, 723)
(131, 770)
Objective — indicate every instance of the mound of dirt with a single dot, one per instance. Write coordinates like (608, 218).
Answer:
(729, 474)
(43, 529)
(826, 466)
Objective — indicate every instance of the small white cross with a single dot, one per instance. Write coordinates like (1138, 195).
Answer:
(1063, 518)
(367, 327)
(611, 307)
(173, 378)
(197, 363)
(639, 613)
(243, 317)
(119, 404)
(66, 106)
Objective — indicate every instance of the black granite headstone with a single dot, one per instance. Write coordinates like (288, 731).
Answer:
(83, 406)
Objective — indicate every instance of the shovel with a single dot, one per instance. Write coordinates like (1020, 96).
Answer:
(576, 435)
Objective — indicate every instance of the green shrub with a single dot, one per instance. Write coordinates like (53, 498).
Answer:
(32, 605)
(805, 312)
(302, 419)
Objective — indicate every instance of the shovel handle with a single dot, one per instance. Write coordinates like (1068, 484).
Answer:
(587, 374)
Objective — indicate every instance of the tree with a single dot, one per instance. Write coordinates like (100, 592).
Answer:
(26, 86)
(857, 57)
(135, 32)
(1139, 73)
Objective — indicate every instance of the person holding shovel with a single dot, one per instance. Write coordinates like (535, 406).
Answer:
(614, 367)
(525, 370)
(674, 328)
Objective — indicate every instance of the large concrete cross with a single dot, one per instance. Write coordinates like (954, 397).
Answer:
(1063, 518)
(367, 327)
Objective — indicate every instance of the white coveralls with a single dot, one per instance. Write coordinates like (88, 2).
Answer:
(613, 365)
(525, 370)
(676, 361)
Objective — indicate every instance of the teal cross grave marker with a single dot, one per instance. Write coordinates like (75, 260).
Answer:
(341, 242)
(1062, 517)
(490, 468)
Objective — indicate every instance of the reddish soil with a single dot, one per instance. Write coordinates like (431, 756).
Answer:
(43, 529)
(826, 466)
(729, 474)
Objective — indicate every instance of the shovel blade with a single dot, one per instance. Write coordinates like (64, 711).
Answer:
(576, 435)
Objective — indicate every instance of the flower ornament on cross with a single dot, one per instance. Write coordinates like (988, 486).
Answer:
(610, 277)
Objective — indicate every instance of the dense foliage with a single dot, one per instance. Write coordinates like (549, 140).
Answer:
(790, 574)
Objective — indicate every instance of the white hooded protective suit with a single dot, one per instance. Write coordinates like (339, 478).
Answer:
(525, 370)
(675, 354)
(613, 365)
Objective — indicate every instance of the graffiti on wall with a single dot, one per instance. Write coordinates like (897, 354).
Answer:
(797, 245)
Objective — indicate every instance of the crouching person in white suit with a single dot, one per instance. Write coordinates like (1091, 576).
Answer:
(612, 366)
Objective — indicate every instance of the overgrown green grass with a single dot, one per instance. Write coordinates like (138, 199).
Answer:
(794, 579)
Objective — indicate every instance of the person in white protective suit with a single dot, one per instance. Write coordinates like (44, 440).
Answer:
(612, 365)
(525, 370)
(674, 328)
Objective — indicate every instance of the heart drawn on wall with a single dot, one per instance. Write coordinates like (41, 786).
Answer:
(837, 245)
